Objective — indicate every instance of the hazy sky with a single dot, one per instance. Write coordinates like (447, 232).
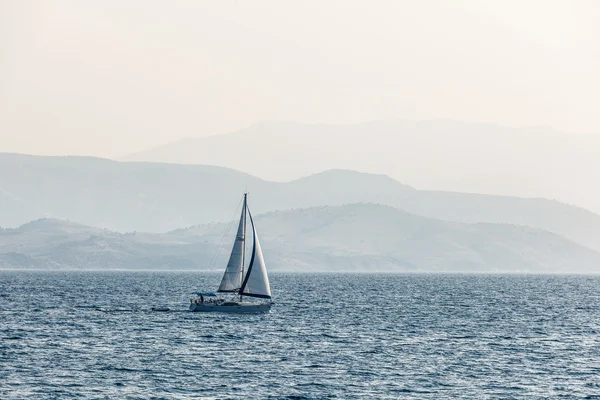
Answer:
(107, 78)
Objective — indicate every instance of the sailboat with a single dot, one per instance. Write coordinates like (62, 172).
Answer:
(251, 282)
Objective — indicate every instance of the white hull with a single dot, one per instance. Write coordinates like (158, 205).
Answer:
(234, 308)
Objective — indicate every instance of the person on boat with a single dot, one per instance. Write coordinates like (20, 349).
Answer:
(201, 299)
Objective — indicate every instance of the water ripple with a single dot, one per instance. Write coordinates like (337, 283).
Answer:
(84, 335)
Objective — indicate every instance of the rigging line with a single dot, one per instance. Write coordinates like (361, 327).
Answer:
(217, 251)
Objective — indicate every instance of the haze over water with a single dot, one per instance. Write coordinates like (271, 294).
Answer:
(73, 335)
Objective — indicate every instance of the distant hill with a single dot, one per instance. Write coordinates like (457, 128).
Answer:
(115, 195)
(356, 237)
(153, 197)
(57, 244)
(439, 154)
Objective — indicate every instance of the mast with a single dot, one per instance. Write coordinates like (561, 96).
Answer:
(244, 246)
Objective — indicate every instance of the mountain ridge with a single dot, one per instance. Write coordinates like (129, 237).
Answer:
(438, 154)
(131, 196)
(351, 238)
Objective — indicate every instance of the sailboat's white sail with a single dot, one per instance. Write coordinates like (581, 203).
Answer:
(256, 282)
(232, 278)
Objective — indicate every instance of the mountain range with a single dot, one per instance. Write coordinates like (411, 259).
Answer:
(158, 197)
(354, 237)
(437, 154)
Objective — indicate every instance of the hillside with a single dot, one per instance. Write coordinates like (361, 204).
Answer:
(156, 197)
(365, 236)
(58, 244)
(438, 154)
(115, 195)
(357, 237)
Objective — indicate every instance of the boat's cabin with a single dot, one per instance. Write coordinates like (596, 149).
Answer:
(204, 297)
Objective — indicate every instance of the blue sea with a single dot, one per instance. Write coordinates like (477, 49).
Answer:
(92, 335)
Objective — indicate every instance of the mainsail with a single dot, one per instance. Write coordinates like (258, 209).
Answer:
(256, 282)
(232, 278)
